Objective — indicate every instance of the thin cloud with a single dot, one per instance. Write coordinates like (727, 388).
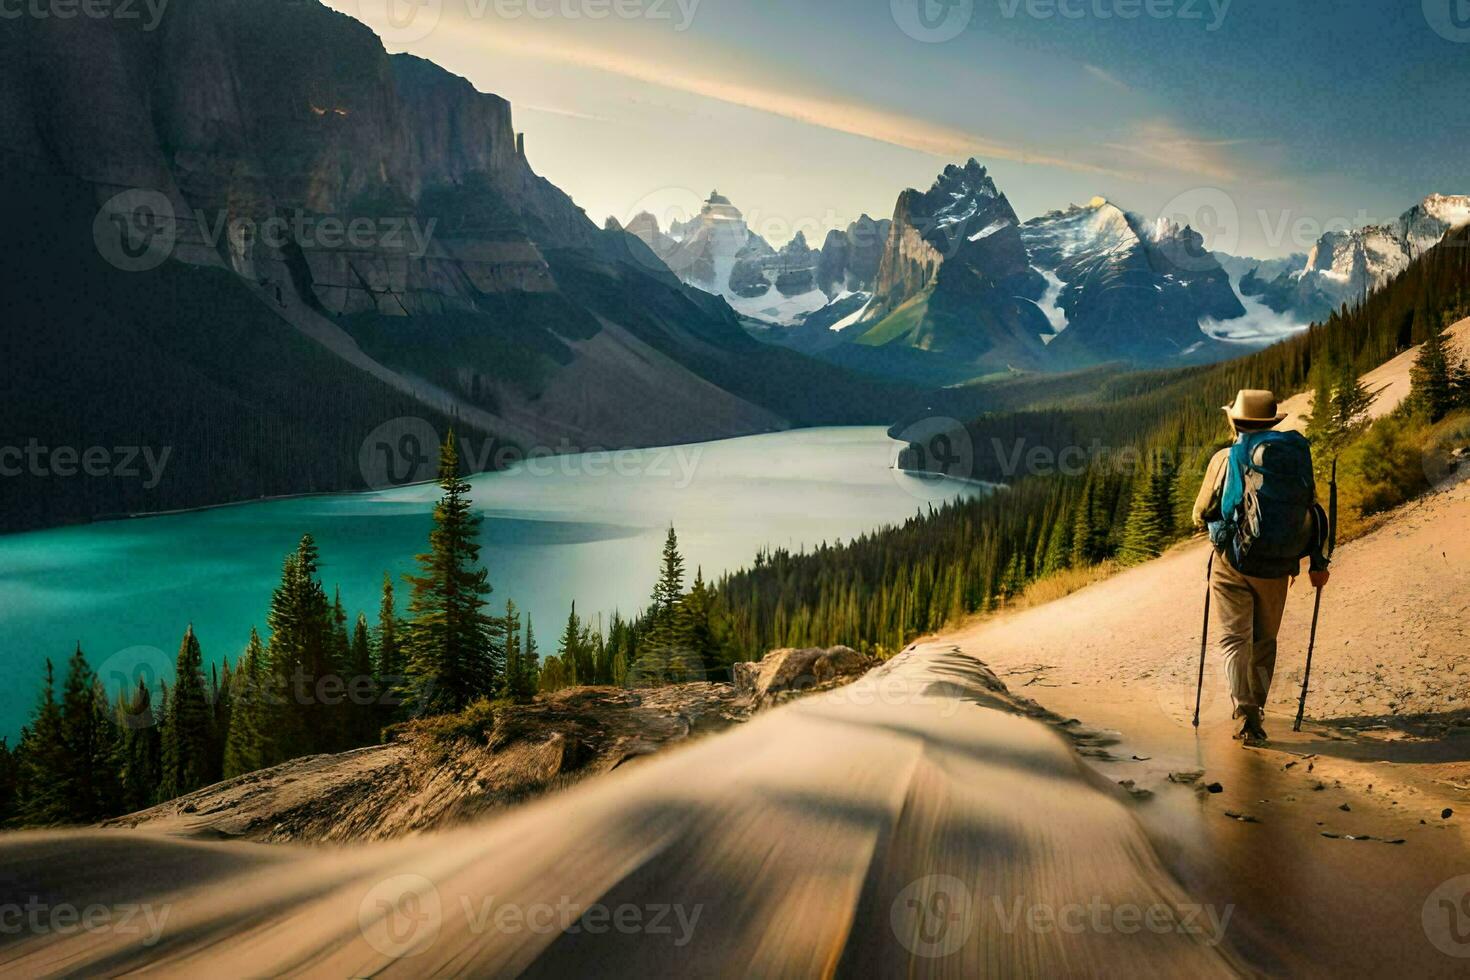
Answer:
(1106, 77)
(1161, 143)
(844, 117)
(569, 113)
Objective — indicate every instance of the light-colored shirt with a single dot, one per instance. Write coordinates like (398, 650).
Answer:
(1207, 504)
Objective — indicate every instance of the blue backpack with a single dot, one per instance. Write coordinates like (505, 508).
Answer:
(1270, 516)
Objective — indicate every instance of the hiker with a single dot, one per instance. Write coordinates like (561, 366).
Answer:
(1259, 502)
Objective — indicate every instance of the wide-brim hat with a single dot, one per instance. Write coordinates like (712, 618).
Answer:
(1255, 407)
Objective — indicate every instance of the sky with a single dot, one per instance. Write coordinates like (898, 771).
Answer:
(1260, 122)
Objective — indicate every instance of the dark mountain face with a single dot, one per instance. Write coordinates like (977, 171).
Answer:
(954, 281)
(373, 220)
(850, 259)
(964, 289)
(1126, 289)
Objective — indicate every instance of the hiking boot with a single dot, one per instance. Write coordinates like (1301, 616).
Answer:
(1251, 731)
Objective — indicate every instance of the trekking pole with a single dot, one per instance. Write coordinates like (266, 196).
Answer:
(1204, 639)
(1301, 705)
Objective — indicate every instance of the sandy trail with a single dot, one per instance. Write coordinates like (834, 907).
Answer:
(916, 822)
(1383, 753)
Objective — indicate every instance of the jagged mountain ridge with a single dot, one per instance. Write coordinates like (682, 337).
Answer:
(1344, 266)
(965, 288)
(512, 314)
(718, 252)
(1124, 288)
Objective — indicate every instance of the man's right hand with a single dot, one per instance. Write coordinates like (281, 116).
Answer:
(1319, 579)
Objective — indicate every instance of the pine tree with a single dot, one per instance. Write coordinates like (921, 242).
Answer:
(669, 589)
(530, 680)
(1150, 515)
(362, 687)
(696, 628)
(252, 714)
(186, 742)
(300, 659)
(450, 646)
(41, 762)
(140, 749)
(89, 738)
(569, 650)
(514, 668)
(389, 652)
(9, 785)
(1431, 379)
(222, 699)
(664, 655)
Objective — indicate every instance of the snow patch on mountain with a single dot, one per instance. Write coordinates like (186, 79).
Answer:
(1261, 325)
(1049, 305)
(990, 229)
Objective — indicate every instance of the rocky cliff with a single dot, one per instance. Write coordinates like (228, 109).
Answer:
(299, 238)
(1121, 287)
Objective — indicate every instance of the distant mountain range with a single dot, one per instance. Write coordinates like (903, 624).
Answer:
(1344, 266)
(253, 237)
(718, 252)
(962, 288)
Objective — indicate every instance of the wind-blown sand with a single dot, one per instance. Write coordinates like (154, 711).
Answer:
(862, 832)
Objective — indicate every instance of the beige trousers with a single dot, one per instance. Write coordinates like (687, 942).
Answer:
(1248, 615)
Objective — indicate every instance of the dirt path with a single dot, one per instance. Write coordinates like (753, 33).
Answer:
(917, 823)
(1386, 747)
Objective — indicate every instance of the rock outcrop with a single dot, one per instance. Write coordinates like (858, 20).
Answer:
(789, 673)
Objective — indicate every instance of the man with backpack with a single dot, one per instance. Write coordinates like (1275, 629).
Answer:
(1259, 501)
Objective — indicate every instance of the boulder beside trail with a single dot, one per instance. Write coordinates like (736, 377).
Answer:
(788, 673)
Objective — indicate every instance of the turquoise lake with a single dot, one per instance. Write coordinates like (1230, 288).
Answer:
(588, 528)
